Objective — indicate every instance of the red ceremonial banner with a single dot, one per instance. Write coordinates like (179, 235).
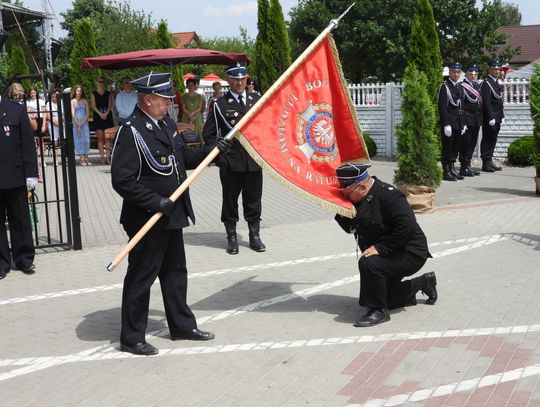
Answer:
(307, 128)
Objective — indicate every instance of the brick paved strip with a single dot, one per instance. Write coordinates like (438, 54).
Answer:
(107, 353)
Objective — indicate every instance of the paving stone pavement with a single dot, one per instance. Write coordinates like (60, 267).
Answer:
(283, 319)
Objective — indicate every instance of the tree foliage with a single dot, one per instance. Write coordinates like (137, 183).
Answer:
(424, 52)
(534, 98)
(417, 145)
(373, 37)
(17, 66)
(84, 45)
(164, 39)
(279, 38)
(265, 70)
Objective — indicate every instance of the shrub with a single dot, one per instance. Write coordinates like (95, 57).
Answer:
(520, 151)
(370, 144)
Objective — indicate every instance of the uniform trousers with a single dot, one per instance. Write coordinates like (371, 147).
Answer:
(381, 284)
(450, 146)
(489, 140)
(161, 254)
(233, 183)
(14, 202)
(468, 144)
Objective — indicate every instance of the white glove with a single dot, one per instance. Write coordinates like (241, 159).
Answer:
(464, 130)
(448, 131)
(502, 121)
(492, 122)
(31, 183)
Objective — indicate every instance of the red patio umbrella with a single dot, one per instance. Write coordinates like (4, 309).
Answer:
(166, 57)
(211, 77)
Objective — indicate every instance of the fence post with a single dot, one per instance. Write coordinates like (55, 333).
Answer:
(389, 118)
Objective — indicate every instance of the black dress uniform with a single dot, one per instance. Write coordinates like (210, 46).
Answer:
(492, 96)
(18, 162)
(450, 114)
(472, 115)
(385, 220)
(149, 163)
(238, 172)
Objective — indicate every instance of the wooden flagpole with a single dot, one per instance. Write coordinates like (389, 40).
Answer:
(213, 154)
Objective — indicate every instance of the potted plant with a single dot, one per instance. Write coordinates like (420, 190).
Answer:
(534, 98)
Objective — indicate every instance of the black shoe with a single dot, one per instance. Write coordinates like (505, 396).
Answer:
(3, 274)
(456, 175)
(495, 167)
(28, 269)
(447, 176)
(466, 171)
(474, 172)
(255, 243)
(374, 316)
(486, 167)
(430, 288)
(194, 335)
(232, 244)
(141, 348)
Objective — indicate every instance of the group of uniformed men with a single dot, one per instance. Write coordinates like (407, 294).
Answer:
(464, 107)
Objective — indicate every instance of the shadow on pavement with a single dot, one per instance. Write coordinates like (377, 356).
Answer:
(508, 191)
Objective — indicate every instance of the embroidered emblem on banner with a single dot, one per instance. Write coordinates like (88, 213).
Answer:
(315, 133)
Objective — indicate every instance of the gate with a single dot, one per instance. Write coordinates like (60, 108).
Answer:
(54, 205)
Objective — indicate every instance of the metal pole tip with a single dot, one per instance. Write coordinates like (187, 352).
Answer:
(111, 267)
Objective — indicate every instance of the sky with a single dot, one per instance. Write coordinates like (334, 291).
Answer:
(222, 18)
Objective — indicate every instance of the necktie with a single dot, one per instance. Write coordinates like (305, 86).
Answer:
(241, 101)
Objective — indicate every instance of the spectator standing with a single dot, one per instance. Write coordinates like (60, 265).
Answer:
(238, 173)
(451, 121)
(472, 115)
(492, 96)
(216, 87)
(193, 104)
(18, 174)
(126, 100)
(101, 100)
(81, 129)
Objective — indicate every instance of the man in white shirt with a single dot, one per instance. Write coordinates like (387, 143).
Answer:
(126, 100)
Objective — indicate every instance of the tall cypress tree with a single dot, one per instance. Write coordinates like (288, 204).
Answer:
(265, 70)
(17, 65)
(417, 146)
(424, 51)
(84, 46)
(279, 41)
(164, 40)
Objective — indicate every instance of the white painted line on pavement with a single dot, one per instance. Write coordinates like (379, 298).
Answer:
(472, 243)
(101, 353)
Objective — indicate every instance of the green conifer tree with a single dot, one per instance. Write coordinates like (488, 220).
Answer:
(17, 66)
(164, 40)
(265, 70)
(417, 146)
(534, 98)
(423, 48)
(279, 40)
(84, 46)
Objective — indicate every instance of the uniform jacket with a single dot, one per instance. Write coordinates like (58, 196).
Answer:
(472, 105)
(493, 100)
(226, 113)
(385, 219)
(18, 157)
(451, 105)
(142, 185)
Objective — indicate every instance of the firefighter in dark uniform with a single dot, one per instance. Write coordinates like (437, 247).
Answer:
(492, 96)
(392, 243)
(472, 115)
(451, 121)
(18, 174)
(149, 163)
(237, 170)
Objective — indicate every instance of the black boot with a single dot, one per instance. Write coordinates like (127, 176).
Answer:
(232, 241)
(447, 175)
(430, 287)
(454, 173)
(474, 172)
(255, 241)
(465, 169)
(487, 167)
(495, 166)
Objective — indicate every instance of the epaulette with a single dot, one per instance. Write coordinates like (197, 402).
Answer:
(388, 187)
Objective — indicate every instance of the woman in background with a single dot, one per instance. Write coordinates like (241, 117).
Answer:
(101, 100)
(81, 130)
(193, 105)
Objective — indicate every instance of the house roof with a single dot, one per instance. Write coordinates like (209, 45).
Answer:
(525, 36)
(11, 13)
(185, 38)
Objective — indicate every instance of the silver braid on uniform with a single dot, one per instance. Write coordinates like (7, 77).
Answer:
(161, 169)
